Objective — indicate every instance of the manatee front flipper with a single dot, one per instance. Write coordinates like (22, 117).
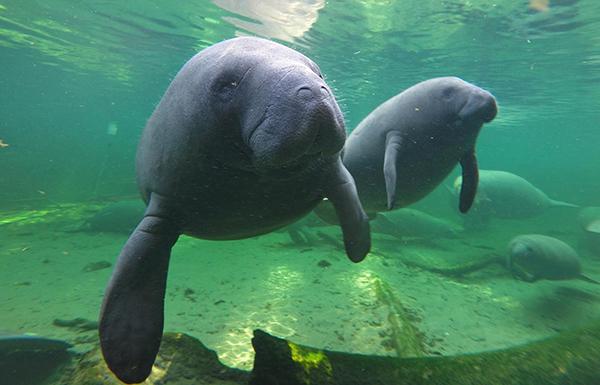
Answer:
(555, 203)
(470, 179)
(588, 279)
(131, 319)
(393, 142)
(519, 273)
(355, 224)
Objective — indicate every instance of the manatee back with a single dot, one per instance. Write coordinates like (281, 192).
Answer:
(510, 196)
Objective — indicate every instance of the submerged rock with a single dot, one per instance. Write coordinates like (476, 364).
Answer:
(29, 359)
(182, 360)
(570, 358)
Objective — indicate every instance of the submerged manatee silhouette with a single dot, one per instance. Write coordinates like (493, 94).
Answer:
(246, 139)
(506, 195)
(589, 220)
(532, 257)
(403, 149)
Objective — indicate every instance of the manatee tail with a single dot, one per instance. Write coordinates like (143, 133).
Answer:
(588, 279)
(554, 203)
(593, 227)
(352, 218)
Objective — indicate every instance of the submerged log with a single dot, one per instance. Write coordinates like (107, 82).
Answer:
(406, 339)
(570, 358)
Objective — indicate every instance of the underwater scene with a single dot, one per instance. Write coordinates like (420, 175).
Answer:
(300, 192)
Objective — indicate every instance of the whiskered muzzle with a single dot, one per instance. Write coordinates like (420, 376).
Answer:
(480, 105)
(309, 123)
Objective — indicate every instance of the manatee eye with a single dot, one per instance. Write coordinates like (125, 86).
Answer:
(448, 93)
(225, 88)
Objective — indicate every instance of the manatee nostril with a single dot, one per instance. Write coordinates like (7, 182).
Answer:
(325, 92)
(305, 92)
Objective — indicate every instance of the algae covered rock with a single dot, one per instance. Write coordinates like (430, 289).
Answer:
(182, 360)
(30, 359)
(570, 358)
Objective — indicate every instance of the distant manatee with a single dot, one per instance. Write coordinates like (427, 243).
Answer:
(118, 217)
(406, 147)
(505, 195)
(413, 223)
(589, 220)
(532, 257)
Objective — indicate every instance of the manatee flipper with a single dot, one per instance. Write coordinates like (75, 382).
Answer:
(588, 279)
(342, 193)
(393, 142)
(524, 276)
(131, 319)
(518, 272)
(382, 220)
(296, 236)
(554, 203)
(470, 179)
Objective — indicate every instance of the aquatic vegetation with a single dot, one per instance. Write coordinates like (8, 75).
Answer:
(406, 338)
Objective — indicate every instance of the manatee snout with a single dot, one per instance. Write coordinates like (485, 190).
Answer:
(303, 120)
(480, 105)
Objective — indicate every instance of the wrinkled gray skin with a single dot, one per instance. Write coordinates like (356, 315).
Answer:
(406, 147)
(246, 139)
(532, 257)
(505, 195)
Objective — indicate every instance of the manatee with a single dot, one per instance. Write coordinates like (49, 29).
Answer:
(532, 257)
(589, 220)
(246, 139)
(505, 195)
(409, 222)
(117, 217)
(406, 147)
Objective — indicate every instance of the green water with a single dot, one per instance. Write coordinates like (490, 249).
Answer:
(79, 79)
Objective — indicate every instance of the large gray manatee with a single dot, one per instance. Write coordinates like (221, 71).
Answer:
(245, 140)
(406, 147)
(506, 195)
